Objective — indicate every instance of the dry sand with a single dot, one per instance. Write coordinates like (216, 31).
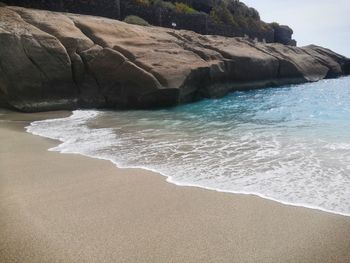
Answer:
(69, 208)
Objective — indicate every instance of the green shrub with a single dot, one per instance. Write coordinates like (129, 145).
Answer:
(221, 15)
(263, 26)
(168, 5)
(135, 20)
(142, 2)
(253, 13)
(242, 21)
(163, 4)
(183, 8)
(274, 25)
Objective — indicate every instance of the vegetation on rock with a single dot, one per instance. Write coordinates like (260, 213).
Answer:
(230, 18)
(164, 4)
(230, 12)
(136, 20)
(224, 12)
(183, 8)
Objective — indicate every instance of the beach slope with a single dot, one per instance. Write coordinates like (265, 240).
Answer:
(69, 208)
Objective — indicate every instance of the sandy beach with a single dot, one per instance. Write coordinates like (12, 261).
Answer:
(70, 208)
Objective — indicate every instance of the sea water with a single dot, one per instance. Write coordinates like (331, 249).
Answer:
(289, 144)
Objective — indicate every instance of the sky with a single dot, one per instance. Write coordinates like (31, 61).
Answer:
(321, 22)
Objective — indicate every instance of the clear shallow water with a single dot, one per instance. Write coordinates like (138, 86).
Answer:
(289, 144)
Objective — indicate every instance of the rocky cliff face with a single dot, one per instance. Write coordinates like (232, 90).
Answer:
(54, 61)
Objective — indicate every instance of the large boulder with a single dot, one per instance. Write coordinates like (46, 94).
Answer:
(51, 60)
(35, 69)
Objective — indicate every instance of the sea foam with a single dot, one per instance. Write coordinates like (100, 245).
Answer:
(290, 144)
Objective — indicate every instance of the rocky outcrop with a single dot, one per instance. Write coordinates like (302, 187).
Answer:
(54, 61)
(283, 35)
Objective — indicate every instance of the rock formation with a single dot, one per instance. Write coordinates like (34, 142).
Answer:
(283, 35)
(51, 61)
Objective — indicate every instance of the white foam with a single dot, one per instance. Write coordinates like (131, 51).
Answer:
(271, 165)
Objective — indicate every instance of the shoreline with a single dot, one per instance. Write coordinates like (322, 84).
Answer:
(169, 178)
(192, 224)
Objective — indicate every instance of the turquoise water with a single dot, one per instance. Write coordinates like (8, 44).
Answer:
(289, 144)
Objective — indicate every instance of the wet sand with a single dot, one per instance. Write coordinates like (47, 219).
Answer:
(70, 208)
